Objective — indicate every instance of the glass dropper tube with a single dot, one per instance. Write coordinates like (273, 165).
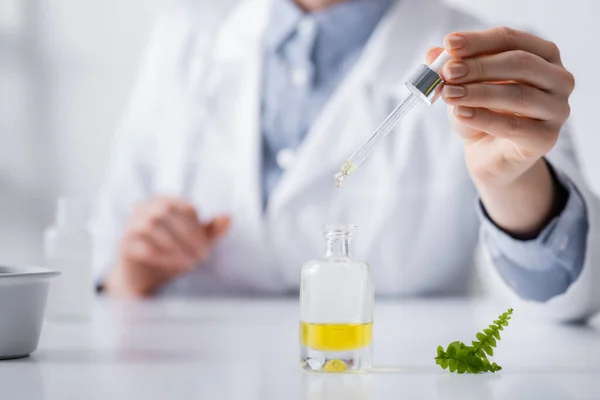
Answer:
(425, 85)
(382, 131)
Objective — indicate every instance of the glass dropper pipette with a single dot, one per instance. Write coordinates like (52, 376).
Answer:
(425, 85)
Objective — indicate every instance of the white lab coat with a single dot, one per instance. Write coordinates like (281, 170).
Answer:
(192, 131)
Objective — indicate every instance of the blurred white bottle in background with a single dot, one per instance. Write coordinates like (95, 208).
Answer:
(67, 249)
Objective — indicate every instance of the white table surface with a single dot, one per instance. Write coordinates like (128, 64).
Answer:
(247, 349)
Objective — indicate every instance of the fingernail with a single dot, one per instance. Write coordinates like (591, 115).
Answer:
(454, 42)
(465, 112)
(453, 91)
(455, 70)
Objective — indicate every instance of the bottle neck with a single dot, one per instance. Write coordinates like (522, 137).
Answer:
(338, 248)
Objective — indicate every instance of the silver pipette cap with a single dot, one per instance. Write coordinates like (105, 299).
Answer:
(426, 82)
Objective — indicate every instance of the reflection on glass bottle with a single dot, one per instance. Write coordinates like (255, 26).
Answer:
(336, 308)
(67, 249)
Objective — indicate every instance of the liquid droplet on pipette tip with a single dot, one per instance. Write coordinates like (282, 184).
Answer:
(339, 179)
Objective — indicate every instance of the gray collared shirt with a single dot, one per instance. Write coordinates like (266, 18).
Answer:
(305, 58)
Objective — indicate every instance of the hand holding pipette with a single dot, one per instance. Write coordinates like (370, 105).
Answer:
(509, 97)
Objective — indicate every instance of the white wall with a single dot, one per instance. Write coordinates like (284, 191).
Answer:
(93, 54)
(66, 67)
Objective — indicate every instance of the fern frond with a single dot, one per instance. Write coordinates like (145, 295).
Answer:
(491, 367)
(461, 358)
(487, 338)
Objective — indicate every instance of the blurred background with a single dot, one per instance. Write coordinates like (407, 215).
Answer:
(66, 68)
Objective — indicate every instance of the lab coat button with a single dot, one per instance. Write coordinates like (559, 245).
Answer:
(306, 27)
(285, 158)
(299, 77)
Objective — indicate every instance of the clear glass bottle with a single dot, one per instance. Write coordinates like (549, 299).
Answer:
(67, 249)
(336, 308)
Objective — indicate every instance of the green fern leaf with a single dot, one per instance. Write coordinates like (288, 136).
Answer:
(475, 363)
(440, 351)
(442, 362)
(453, 364)
(473, 370)
(491, 367)
(451, 350)
(461, 358)
(479, 353)
(488, 349)
(487, 366)
(488, 338)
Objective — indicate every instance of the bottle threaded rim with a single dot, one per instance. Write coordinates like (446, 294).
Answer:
(338, 231)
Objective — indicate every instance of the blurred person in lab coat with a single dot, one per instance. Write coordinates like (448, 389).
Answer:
(221, 178)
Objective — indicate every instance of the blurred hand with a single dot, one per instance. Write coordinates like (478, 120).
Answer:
(508, 94)
(163, 239)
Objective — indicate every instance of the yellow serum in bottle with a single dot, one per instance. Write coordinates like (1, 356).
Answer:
(336, 337)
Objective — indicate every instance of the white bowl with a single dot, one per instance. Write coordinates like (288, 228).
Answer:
(23, 293)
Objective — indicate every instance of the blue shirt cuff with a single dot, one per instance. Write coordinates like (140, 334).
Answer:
(541, 268)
